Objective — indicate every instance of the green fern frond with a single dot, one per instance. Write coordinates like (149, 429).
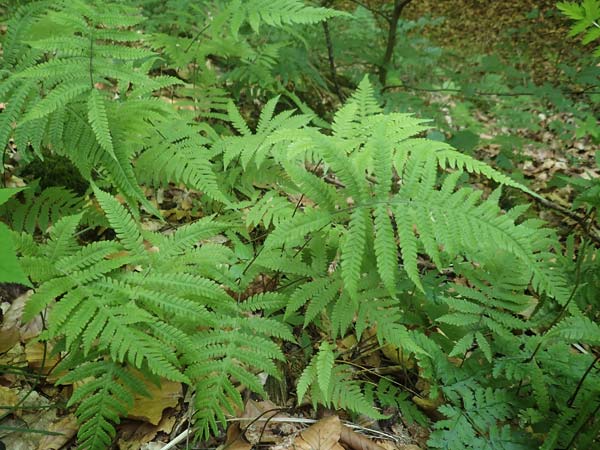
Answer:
(121, 221)
(294, 230)
(39, 210)
(324, 365)
(353, 249)
(102, 400)
(576, 329)
(178, 154)
(99, 121)
(278, 13)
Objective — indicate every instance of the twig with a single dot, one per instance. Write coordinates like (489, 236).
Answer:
(332, 69)
(184, 434)
(483, 93)
(391, 39)
(592, 233)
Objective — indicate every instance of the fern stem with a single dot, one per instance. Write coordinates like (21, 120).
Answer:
(581, 381)
(580, 258)
(574, 437)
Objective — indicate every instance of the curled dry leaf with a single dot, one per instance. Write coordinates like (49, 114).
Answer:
(235, 439)
(356, 441)
(323, 435)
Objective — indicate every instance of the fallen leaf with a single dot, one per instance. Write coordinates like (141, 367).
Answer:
(8, 398)
(67, 426)
(150, 409)
(12, 330)
(323, 435)
(352, 439)
(38, 357)
(235, 439)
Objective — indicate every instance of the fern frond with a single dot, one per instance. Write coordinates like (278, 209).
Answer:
(101, 401)
(294, 230)
(576, 329)
(122, 222)
(40, 210)
(324, 365)
(99, 121)
(384, 244)
(278, 13)
(353, 249)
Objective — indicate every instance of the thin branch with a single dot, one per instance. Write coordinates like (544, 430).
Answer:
(391, 39)
(592, 233)
(483, 93)
(332, 69)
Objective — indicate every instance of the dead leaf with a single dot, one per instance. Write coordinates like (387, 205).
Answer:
(12, 330)
(265, 431)
(39, 357)
(67, 426)
(137, 435)
(235, 439)
(150, 409)
(352, 439)
(323, 435)
(8, 398)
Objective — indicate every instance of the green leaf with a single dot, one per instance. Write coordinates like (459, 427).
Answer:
(10, 270)
(7, 193)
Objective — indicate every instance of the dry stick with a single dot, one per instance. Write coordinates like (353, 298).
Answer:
(183, 435)
(391, 40)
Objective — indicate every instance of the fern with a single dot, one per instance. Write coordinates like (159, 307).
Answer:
(92, 49)
(149, 321)
(277, 14)
(38, 212)
(332, 386)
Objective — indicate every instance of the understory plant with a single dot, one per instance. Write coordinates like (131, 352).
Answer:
(359, 227)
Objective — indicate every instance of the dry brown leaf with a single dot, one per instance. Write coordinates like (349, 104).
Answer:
(39, 357)
(8, 398)
(150, 409)
(265, 431)
(12, 330)
(67, 426)
(235, 439)
(137, 435)
(352, 439)
(323, 435)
